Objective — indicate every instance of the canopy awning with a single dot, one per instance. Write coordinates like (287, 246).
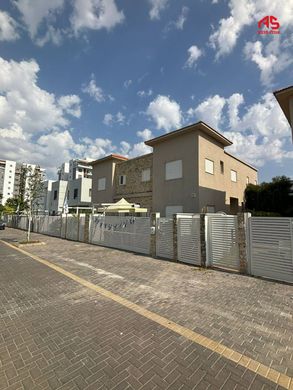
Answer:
(122, 206)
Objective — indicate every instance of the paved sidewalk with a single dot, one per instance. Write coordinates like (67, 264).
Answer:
(74, 338)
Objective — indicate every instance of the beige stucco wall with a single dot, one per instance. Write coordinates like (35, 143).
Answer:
(177, 192)
(100, 170)
(135, 190)
(225, 188)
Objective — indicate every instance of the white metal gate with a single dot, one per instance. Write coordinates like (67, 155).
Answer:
(188, 239)
(129, 233)
(164, 238)
(271, 247)
(222, 241)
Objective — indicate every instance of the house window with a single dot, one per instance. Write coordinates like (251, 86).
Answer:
(222, 166)
(90, 192)
(209, 166)
(170, 210)
(247, 180)
(210, 209)
(75, 193)
(233, 176)
(102, 184)
(173, 170)
(122, 180)
(55, 194)
(146, 175)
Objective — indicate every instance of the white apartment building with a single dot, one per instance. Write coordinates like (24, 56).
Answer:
(58, 196)
(9, 179)
(10, 176)
(73, 187)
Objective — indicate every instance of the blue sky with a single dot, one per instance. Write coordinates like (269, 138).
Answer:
(85, 78)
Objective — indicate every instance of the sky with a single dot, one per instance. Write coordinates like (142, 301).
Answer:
(86, 78)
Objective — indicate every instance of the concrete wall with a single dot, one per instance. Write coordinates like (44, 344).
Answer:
(176, 192)
(216, 189)
(100, 170)
(135, 190)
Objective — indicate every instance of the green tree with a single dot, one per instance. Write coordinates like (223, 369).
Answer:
(33, 190)
(273, 197)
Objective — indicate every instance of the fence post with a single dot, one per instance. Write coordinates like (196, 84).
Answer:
(154, 224)
(203, 250)
(175, 238)
(242, 243)
(86, 228)
(78, 222)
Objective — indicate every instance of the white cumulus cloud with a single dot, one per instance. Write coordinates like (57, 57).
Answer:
(194, 53)
(145, 134)
(166, 113)
(270, 59)
(209, 110)
(34, 13)
(157, 6)
(244, 13)
(260, 134)
(110, 119)
(8, 27)
(95, 15)
(94, 91)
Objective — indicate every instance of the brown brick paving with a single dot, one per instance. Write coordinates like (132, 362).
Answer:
(56, 334)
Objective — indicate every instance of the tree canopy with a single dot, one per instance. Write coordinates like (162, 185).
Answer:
(273, 197)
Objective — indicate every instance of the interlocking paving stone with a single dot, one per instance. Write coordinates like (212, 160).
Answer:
(57, 333)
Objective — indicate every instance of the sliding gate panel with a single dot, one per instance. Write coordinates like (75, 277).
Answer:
(271, 247)
(188, 239)
(164, 239)
(222, 241)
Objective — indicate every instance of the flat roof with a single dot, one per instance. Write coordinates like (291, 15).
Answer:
(110, 157)
(195, 126)
(243, 162)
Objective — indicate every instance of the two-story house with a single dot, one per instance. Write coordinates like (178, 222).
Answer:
(188, 171)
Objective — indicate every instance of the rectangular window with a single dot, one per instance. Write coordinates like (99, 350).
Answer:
(233, 176)
(210, 209)
(222, 166)
(173, 170)
(75, 193)
(101, 184)
(122, 180)
(146, 175)
(90, 192)
(209, 166)
(170, 210)
(247, 180)
(55, 194)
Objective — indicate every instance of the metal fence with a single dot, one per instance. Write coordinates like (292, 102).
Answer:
(121, 232)
(271, 247)
(268, 242)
